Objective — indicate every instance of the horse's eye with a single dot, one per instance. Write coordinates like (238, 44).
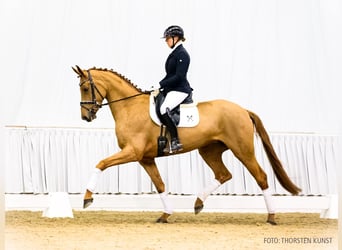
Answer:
(85, 89)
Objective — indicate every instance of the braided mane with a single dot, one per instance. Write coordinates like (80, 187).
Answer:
(123, 78)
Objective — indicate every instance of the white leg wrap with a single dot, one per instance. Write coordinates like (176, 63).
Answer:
(209, 189)
(166, 203)
(93, 180)
(269, 201)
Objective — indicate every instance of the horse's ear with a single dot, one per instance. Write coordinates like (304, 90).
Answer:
(78, 71)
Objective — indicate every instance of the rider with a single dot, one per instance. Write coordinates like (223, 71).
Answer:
(174, 85)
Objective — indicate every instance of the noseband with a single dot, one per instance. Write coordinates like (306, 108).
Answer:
(95, 104)
(93, 88)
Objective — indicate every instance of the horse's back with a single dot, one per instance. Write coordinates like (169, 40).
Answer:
(222, 107)
(226, 118)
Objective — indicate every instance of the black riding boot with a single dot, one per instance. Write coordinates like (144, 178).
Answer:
(175, 144)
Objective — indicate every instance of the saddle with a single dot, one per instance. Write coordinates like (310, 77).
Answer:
(174, 113)
(184, 115)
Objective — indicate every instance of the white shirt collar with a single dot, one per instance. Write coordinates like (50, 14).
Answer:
(177, 44)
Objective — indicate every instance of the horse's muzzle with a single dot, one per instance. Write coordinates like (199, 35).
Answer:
(90, 116)
(86, 118)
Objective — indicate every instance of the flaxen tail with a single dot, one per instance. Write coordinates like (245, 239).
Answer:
(272, 157)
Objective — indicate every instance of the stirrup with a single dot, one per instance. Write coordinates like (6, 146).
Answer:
(176, 146)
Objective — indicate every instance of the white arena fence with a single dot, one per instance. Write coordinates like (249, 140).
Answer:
(41, 160)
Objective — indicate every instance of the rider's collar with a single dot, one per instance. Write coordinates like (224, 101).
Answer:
(177, 44)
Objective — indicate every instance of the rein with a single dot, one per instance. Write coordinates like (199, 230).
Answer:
(93, 96)
(122, 99)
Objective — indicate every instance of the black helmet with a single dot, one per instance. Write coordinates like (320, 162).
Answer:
(173, 31)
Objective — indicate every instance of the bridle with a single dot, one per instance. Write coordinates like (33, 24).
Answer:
(95, 104)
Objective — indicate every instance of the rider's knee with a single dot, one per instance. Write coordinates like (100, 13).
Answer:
(163, 109)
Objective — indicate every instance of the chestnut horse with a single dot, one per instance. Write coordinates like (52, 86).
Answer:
(223, 125)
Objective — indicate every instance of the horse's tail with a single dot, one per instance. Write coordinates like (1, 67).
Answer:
(272, 156)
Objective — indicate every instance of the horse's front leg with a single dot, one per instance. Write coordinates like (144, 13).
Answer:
(152, 170)
(124, 156)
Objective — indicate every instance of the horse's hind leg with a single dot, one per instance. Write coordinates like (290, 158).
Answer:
(152, 170)
(260, 176)
(212, 155)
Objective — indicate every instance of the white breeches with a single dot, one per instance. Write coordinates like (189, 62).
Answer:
(172, 100)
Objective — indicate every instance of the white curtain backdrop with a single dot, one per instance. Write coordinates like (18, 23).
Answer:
(278, 58)
(48, 160)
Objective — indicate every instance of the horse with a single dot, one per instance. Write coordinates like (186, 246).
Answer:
(223, 126)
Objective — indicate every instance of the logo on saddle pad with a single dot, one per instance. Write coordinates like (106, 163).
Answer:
(189, 116)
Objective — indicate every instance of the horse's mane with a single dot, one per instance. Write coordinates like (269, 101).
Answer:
(123, 78)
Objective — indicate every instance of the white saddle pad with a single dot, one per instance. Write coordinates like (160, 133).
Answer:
(189, 116)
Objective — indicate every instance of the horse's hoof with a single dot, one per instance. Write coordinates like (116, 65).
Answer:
(198, 205)
(271, 222)
(161, 220)
(271, 219)
(87, 202)
(198, 209)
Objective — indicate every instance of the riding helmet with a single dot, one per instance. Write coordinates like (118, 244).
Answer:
(173, 31)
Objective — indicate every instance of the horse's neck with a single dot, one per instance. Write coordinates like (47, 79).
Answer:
(120, 90)
(125, 106)
(132, 111)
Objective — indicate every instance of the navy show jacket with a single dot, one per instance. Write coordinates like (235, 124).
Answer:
(176, 67)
